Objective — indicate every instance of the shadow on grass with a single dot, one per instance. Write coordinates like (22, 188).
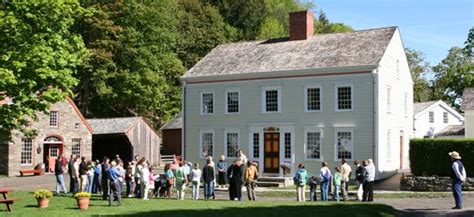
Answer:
(434, 212)
(358, 210)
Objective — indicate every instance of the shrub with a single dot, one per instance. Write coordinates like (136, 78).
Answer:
(430, 156)
(43, 194)
(82, 195)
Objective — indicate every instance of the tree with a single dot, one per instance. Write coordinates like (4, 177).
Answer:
(135, 70)
(38, 58)
(419, 68)
(453, 75)
(322, 25)
(469, 44)
(201, 28)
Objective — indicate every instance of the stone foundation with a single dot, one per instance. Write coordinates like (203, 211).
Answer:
(431, 183)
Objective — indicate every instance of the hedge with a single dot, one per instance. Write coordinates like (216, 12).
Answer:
(430, 156)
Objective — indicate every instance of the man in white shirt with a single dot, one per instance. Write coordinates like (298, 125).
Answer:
(370, 168)
(458, 174)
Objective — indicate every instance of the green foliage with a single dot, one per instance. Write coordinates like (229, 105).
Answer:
(38, 58)
(419, 68)
(469, 44)
(134, 69)
(322, 25)
(43, 194)
(453, 75)
(430, 156)
(82, 195)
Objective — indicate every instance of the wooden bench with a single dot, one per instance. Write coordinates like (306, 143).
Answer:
(9, 203)
(34, 172)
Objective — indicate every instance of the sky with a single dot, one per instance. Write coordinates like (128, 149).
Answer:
(430, 26)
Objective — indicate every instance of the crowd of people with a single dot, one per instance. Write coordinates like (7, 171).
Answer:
(364, 174)
(108, 178)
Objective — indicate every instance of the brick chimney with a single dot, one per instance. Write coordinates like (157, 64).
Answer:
(301, 25)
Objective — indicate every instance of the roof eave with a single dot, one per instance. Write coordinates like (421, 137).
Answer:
(270, 74)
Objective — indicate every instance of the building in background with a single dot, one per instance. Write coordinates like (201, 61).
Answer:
(437, 119)
(468, 108)
(172, 136)
(62, 131)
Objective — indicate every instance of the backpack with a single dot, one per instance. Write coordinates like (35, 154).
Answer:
(180, 175)
(326, 177)
(300, 177)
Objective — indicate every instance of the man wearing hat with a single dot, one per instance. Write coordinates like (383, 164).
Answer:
(458, 174)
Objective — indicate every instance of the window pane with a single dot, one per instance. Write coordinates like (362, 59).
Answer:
(344, 98)
(26, 151)
(344, 145)
(76, 147)
(313, 145)
(207, 103)
(232, 144)
(313, 99)
(271, 100)
(53, 118)
(445, 117)
(207, 145)
(256, 145)
(431, 116)
(233, 102)
(287, 145)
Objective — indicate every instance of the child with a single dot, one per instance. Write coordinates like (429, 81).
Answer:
(196, 179)
(313, 184)
(337, 183)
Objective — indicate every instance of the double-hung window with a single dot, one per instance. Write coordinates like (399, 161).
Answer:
(232, 143)
(26, 151)
(207, 103)
(312, 99)
(207, 143)
(312, 141)
(76, 147)
(344, 144)
(344, 98)
(232, 103)
(53, 118)
(271, 102)
(445, 117)
(431, 117)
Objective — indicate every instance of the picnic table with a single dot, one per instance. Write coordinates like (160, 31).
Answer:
(7, 201)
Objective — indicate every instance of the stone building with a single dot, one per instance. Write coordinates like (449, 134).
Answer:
(63, 131)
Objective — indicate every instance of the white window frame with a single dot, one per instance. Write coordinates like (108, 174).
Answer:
(251, 146)
(31, 152)
(227, 102)
(336, 97)
(213, 103)
(201, 145)
(311, 130)
(429, 117)
(389, 99)
(343, 129)
(389, 145)
(57, 118)
(306, 98)
(264, 99)
(227, 131)
(445, 118)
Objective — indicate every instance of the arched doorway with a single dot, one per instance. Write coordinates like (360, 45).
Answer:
(53, 147)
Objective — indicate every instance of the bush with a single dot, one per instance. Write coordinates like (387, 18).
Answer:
(43, 194)
(430, 156)
(82, 195)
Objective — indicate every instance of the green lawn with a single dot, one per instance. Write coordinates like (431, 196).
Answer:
(66, 206)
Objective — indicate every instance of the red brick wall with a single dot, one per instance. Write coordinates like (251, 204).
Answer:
(301, 25)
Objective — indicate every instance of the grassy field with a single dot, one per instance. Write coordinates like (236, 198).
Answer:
(66, 206)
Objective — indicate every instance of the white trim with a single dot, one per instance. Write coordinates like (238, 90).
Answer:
(343, 129)
(250, 155)
(336, 96)
(311, 130)
(233, 130)
(306, 87)
(201, 132)
(227, 91)
(389, 99)
(213, 102)
(264, 101)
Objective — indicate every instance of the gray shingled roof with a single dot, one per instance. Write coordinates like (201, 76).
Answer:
(175, 123)
(418, 107)
(468, 99)
(358, 48)
(452, 130)
(112, 125)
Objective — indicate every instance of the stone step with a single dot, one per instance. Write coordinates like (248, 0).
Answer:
(270, 184)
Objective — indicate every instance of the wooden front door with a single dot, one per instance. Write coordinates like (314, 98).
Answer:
(401, 151)
(272, 153)
(52, 152)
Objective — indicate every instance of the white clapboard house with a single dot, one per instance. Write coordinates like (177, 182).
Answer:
(303, 99)
(437, 119)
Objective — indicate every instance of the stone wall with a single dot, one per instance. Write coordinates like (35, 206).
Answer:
(431, 183)
(70, 126)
